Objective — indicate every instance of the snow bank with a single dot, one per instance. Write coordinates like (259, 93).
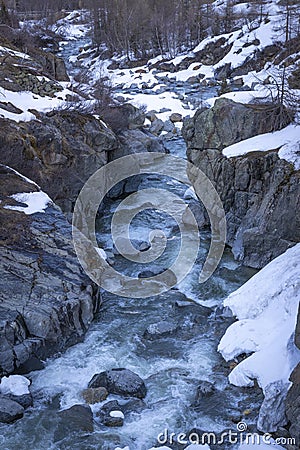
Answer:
(34, 201)
(26, 100)
(287, 139)
(266, 308)
(15, 385)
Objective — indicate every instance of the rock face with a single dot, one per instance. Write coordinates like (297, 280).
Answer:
(272, 411)
(259, 191)
(292, 404)
(120, 382)
(229, 122)
(47, 302)
(59, 152)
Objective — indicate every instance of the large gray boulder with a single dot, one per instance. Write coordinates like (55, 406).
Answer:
(272, 411)
(229, 122)
(260, 192)
(73, 420)
(120, 381)
(47, 301)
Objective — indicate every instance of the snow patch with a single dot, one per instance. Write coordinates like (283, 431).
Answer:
(101, 252)
(116, 414)
(197, 447)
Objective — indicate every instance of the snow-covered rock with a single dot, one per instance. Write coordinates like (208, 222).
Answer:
(287, 140)
(15, 385)
(266, 308)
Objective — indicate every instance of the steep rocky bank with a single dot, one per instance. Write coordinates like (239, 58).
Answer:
(54, 301)
(260, 192)
(47, 302)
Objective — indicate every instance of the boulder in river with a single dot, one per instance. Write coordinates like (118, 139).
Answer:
(94, 395)
(74, 419)
(120, 381)
(111, 414)
(160, 330)
(10, 411)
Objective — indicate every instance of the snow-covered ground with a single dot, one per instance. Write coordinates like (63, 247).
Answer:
(75, 25)
(26, 101)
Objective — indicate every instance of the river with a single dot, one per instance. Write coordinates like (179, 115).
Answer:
(171, 366)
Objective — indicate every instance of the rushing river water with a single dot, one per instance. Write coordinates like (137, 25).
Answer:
(171, 366)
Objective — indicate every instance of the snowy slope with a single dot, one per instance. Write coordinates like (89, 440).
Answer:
(26, 101)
